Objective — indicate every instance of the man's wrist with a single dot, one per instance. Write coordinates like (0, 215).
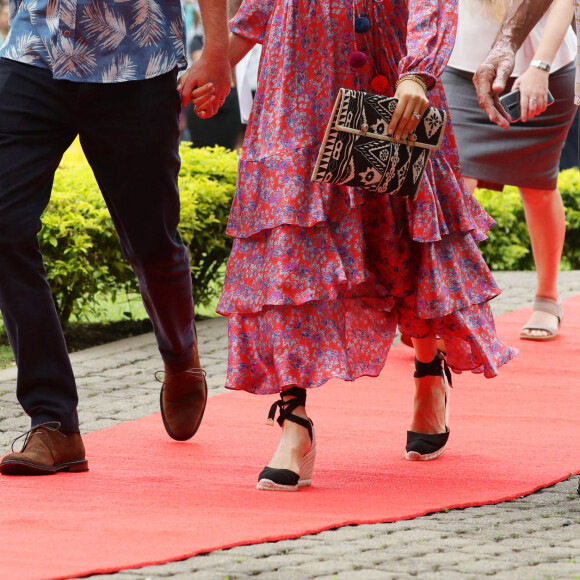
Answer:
(216, 50)
(505, 43)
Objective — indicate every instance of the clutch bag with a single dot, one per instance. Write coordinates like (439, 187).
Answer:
(357, 152)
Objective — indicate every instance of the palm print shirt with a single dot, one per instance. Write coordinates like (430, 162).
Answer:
(103, 41)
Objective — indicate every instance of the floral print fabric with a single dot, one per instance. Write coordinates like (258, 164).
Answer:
(320, 276)
(96, 40)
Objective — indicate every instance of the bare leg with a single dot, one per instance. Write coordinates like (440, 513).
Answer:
(546, 222)
(471, 183)
(294, 445)
(429, 409)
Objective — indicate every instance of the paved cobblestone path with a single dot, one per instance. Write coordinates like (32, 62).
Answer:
(534, 537)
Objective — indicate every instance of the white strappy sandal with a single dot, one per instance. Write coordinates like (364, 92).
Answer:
(551, 306)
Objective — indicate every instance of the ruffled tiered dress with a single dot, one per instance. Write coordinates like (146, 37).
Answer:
(319, 275)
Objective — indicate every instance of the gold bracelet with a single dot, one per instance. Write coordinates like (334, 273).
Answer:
(415, 78)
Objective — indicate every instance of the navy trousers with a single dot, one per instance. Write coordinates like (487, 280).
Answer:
(130, 135)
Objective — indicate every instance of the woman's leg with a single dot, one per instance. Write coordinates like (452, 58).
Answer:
(546, 222)
(294, 444)
(471, 183)
(429, 408)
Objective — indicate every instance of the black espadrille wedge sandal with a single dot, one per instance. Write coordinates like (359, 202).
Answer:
(272, 479)
(423, 446)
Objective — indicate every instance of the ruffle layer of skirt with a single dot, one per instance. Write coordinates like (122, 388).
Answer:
(290, 265)
(319, 276)
(307, 345)
(277, 190)
(310, 344)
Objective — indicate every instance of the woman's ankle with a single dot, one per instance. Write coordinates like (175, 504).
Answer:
(429, 406)
(294, 444)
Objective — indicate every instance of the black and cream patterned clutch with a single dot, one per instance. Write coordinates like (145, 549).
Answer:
(357, 151)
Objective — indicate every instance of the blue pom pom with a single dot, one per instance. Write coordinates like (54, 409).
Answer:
(361, 24)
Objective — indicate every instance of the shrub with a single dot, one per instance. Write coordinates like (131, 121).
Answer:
(207, 183)
(569, 184)
(81, 250)
(84, 260)
(508, 247)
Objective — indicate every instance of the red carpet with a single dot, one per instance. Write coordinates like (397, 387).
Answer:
(148, 500)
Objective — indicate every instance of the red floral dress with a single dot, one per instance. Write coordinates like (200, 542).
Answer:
(319, 275)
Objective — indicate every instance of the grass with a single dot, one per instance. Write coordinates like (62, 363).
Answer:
(6, 357)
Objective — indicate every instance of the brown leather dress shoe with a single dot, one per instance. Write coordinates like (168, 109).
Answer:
(45, 451)
(183, 399)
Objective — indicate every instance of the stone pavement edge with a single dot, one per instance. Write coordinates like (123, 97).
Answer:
(533, 537)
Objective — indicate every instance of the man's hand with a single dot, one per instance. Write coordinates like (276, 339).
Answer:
(491, 76)
(211, 67)
(490, 80)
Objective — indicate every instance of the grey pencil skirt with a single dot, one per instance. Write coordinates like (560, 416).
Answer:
(527, 154)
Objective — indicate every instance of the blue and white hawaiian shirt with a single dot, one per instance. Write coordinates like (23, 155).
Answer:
(104, 41)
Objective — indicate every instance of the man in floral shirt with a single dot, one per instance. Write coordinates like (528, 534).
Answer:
(491, 76)
(107, 72)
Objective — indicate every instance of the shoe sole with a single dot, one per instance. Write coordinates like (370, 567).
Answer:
(269, 485)
(307, 469)
(166, 425)
(539, 338)
(414, 456)
(13, 467)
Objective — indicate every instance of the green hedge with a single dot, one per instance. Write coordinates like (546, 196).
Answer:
(84, 261)
(81, 250)
(508, 247)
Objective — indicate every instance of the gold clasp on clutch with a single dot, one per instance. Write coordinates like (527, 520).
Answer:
(364, 128)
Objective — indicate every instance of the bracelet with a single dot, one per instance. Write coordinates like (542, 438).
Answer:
(415, 78)
(541, 64)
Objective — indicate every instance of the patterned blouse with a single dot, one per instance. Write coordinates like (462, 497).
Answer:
(97, 40)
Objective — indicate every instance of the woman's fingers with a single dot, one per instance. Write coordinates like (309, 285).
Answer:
(406, 117)
(203, 102)
(409, 110)
(524, 106)
(203, 98)
(407, 123)
(203, 112)
(539, 102)
(532, 104)
(204, 90)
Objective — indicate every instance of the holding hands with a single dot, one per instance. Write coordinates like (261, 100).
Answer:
(204, 91)
(412, 104)
(204, 100)
(210, 74)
